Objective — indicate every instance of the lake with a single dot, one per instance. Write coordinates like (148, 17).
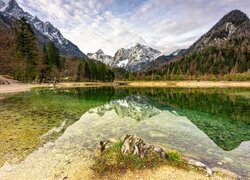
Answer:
(52, 132)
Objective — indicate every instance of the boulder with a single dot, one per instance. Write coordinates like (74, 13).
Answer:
(136, 146)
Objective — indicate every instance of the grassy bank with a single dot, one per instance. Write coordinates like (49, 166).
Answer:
(112, 163)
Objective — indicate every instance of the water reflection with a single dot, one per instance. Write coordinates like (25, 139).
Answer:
(224, 117)
(135, 107)
(209, 125)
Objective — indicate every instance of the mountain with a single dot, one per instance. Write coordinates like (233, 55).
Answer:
(163, 59)
(135, 107)
(178, 53)
(223, 52)
(231, 25)
(100, 56)
(133, 59)
(10, 11)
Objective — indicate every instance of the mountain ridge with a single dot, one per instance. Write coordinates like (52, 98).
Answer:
(222, 52)
(45, 31)
(228, 26)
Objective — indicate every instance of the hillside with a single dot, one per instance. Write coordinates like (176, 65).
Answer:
(223, 50)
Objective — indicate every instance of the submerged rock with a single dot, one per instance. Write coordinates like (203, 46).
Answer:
(199, 165)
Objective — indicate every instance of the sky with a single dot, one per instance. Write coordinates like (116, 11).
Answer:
(109, 25)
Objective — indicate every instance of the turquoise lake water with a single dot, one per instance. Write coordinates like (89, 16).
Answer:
(210, 125)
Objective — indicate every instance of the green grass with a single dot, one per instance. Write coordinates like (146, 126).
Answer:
(112, 160)
(174, 157)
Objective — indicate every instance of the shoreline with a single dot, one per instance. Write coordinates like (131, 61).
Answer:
(188, 84)
(19, 87)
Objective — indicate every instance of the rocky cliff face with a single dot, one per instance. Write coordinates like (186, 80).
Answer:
(10, 11)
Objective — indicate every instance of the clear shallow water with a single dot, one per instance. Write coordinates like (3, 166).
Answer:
(212, 126)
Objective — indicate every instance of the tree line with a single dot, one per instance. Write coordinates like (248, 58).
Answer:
(228, 61)
(34, 64)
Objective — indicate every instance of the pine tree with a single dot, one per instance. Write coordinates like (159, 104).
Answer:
(80, 72)
(87, 71)
(26, 48)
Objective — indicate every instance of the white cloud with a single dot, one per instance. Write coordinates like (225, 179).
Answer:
(162, 24)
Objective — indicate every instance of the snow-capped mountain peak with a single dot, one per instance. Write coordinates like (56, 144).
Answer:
(100, 56)
(100, 51)
(5, 5)
(44, 31)
(132, 59)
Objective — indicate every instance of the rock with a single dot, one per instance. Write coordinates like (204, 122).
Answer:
(199, 165)
(137, 146)
(105, 145)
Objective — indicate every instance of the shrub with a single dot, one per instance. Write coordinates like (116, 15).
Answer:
(174, 157)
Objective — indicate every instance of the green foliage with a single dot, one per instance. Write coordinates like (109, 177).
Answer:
(53, 63)
(47, 65)
(174, 157)
(90, 70)
(26, 51)
(229, 58)
(80, 72)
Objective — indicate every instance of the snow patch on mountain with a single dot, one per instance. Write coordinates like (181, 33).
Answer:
(100, 56)
(4, 4)
(123, 63)
(132, 58)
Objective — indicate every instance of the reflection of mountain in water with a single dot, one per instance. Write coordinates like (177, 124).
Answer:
(115, 119)
(134, 107)
(224, 118)
(228, 129)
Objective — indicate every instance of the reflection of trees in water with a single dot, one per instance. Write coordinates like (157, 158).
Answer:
(224, 118)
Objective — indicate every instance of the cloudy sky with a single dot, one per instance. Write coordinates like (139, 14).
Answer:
(166, 25)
